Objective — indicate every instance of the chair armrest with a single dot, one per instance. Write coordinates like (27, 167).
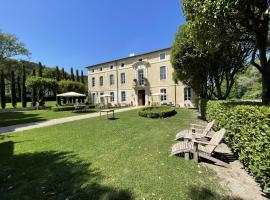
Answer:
(202, 142)
(197, 125)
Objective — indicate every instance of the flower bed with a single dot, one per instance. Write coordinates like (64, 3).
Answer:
(157, 112)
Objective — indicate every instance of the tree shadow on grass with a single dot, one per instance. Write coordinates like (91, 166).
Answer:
(203, 193)
(53, 175)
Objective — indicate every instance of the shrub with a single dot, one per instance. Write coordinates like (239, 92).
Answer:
(157, 112)
(248, 134)
(63, 108)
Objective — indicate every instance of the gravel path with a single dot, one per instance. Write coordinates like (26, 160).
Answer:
(28, 126)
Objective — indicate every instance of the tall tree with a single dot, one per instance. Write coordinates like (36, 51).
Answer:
(2, 89)
(58, 76)
(23, 93)
(34, 92)
(77, 75)
(72, 74)
(40, 74)
(19, 85)
(82, 77)
(13, 90)
(63, 75)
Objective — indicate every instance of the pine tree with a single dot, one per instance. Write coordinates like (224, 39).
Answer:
(13, 90)
(40, 69)
(57, 74)
(19, 86)
(34, 92)
(77, 75)
(2, 89)
(82, 77)
(72, 74)
(23, 97)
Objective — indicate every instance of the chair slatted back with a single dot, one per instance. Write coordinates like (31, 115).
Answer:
(208, 127)
(215, 140)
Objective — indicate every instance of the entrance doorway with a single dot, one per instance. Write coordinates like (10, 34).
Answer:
(141, 97)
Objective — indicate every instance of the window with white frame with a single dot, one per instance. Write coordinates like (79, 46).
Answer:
(111, 79)
(112, 96)
(162, 56)
(163, 97)
(111, 67)
(123, 65)
(141, 76)
(123, 96)
(163, 73)
(101, 80)
(93, 82)
(100, 69)
(187, 93)
(93, 70)
(123, 78)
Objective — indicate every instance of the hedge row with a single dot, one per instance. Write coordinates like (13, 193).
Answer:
(157, 112)
(248, 134)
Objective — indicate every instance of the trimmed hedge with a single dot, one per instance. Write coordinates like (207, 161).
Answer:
(248, 134)
(157, 112)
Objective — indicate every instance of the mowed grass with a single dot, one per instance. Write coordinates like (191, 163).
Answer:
(20, 117)
(125, 158)
(19, 104)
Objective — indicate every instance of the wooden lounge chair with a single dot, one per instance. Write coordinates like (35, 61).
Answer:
(196, 131)
(201, 148)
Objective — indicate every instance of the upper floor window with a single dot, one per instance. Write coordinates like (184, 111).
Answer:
(140, 59)
(141, 76)
(163, 97)
(100, 69)
(112, 96)
(111, 67)
(123, 78)
(123, 96)
(93, 82)
(111, 79)
(101, 81)
(123, 64)
(162, 56)
(187, 93)
(163, 74)
(93, 70)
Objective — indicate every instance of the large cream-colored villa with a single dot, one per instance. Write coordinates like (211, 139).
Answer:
(144, 79)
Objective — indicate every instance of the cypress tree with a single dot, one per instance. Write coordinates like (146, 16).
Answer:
(72, 74)
(57, 74)
(19, 85)
(2, 89)
(23, 97)
(63, 74)
(77, 75)
(40, 69)
(82, 77)
(13, 90)
(34, 92)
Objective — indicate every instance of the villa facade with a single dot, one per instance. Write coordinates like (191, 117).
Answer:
(144, 79)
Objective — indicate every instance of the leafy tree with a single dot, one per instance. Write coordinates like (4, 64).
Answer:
(2, 90)
(68, 85)
(40, 69)
(49, 73)
(23, 93)
(77, 75)
(13, 90)
(34, 91)
(246, 20)
(63, 74)
(72, 74)
(19, 85)
(82, 77)
(58, 76)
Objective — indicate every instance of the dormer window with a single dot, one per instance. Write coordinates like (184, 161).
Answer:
(111, 67)
(100, 69)
(140, 59)
(162, 56)
(122, 65)
(93, 70)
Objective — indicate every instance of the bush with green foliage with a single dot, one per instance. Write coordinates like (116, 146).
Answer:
(248, 134)
(68, 108)
(157, 112)
(68, 86)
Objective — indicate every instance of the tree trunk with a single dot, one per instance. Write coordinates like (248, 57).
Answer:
(13, 90)
(266, 88)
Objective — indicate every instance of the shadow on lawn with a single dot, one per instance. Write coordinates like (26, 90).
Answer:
(53, 175)
(203, 193)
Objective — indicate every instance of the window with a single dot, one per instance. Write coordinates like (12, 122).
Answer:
(163, 74)
(123, 78)
(141, 76)
(93, 100)
(101, 97)
(162, 56)
(101, 81)
(122, 65)
(187, 93)
(111, 79)
(112, 96)
(140, 59)
(93, 70)
(111, 67)
(93, 82)
(100, 69)
(123, 96)
(163, 97)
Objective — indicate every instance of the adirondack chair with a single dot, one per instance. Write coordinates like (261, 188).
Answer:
(201, 148)
(196, 131)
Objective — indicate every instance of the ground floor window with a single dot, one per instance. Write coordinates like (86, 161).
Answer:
(123, 96)
(163, 97)
(101, 97)
(93, 98)
(187, 93)
(112, 96)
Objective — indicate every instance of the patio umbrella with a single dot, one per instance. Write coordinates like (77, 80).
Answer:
(157, 94)
(71, 94)
(106, 96)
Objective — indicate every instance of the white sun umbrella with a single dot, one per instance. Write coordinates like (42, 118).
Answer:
(70, 94)
(158, 94)
(106, 96)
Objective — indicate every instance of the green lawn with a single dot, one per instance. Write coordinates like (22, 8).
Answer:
(20, 117)
(19, 104)
(125, 158)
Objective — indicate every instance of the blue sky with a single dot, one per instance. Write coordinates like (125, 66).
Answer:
(78, 33)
